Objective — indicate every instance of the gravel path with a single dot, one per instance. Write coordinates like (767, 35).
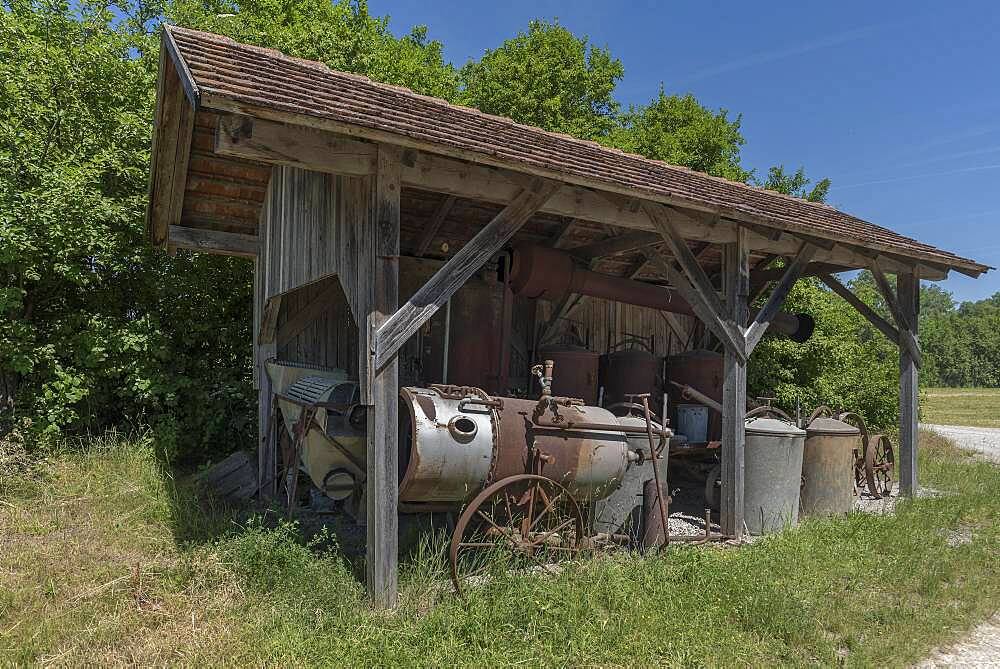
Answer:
(982, 440)
(982, 647)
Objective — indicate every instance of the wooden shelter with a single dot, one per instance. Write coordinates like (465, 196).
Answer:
(331, 182)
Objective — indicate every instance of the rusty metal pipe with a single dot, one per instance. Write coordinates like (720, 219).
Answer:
(551, 274)
(689, 393)
(654, 457)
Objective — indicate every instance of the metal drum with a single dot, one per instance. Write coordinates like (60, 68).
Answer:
(772, 475)
(446, 443)
(628, 372)
(576, 372)
(828, 467)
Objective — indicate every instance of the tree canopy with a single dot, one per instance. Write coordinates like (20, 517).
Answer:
(549, 78)
(98, 330)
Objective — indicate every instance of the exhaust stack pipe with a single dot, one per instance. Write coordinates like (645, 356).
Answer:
(551, 274)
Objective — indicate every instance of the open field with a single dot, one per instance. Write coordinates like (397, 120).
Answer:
(104, 559)
(976, 407)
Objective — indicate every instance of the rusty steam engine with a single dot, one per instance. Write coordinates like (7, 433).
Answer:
(546, 475)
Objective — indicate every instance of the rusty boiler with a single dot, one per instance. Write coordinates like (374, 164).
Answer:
(578, 372)
(454, 441)
(629, 372)
(828, 467)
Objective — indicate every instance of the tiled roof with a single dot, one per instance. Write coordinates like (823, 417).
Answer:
(256, 77)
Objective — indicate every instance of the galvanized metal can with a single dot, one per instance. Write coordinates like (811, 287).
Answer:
(772, 475)
(828, 467)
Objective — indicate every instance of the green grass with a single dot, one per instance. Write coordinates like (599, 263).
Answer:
(104, 559)
(977, 407)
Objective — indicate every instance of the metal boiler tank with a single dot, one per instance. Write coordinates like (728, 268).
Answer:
(577, 377)
(828, 467)
(772, 475)
(454, 441)
(629, 372)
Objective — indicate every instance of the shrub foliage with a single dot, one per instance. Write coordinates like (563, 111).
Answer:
(97, 330)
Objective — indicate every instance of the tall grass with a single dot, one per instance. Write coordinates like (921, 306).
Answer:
(106, 558)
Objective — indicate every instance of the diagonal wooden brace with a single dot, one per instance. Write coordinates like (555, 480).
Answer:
(903, 324)
(446, 281)
(778, 295)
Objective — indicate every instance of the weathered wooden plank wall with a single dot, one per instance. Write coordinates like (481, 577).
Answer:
(604, 324)
(304, 235)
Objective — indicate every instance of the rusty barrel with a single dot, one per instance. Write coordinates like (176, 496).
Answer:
(629, 372)
(575, 373)
(828, 467)
(772, 475)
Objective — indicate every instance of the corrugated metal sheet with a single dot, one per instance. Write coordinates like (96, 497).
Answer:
(260, 77)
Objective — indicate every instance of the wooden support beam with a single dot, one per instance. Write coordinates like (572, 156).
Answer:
(909, 388)
(269, 321)
(443, 174)
(679, 282)
(778, 295)
(434, 224)
(227, 243)
(382, 481)
(278, 144)
(698, 285)
(734, 389)
(903, 326)
(840, 289)
(487, 242)
(171, 149)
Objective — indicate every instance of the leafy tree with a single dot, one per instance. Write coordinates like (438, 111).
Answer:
(97, 329)
(546, 77)
(679, 130)
(961, 343)
(795, 184)
(847, 363)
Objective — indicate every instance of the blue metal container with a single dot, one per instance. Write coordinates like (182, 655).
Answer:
(692, 422)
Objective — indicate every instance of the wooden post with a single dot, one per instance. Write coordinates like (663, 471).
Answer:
(734, 388)
(908, 293)
(381, 251)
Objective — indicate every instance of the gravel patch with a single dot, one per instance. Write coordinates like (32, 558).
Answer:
(984, 441)
(981, 648)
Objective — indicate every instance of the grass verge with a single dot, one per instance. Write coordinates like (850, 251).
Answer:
(105, 559)
(975, 407)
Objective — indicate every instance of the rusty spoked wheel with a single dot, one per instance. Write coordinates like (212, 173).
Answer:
(524, 522)
(857, 421)
(880, 462)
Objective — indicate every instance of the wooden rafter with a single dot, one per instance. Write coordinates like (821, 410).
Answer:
(556, 239)
(434, 224)
(617, 243)
(500, 185)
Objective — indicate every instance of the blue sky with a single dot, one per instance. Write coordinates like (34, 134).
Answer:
(898, 103)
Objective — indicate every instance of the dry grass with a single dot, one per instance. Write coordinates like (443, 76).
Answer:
(105, 561)
(975, 407)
